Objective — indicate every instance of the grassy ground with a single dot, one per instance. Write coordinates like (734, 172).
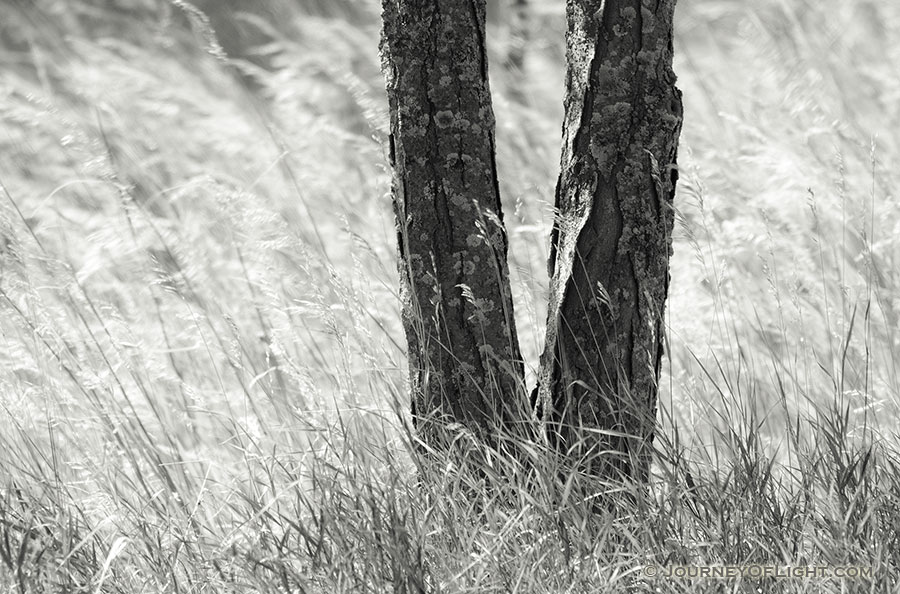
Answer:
(202, 368)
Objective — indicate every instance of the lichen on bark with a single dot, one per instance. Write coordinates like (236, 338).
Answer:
(611, 239)
(456, 306)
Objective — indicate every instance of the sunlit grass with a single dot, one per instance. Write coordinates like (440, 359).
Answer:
(202, 375)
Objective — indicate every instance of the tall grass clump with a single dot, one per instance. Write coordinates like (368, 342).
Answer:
(202, 372)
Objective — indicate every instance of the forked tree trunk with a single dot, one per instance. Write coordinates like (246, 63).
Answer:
(610, 245)
(611, 241)
(457, 310)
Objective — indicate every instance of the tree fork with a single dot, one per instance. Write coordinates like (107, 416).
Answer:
(611, 241)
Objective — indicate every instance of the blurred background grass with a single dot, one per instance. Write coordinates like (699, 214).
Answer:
(197, 267)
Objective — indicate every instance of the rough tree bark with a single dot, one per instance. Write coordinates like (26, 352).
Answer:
(611, 241)
(457, 310)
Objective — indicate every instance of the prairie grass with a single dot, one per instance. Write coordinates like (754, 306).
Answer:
(202, 376)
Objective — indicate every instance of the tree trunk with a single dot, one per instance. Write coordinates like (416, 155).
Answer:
(464, 359)
(611, 242)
